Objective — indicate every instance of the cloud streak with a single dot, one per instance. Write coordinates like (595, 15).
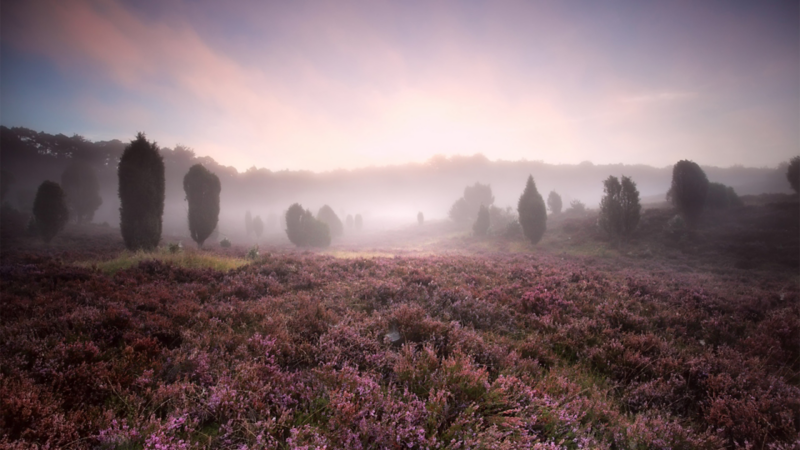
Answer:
(339, 84)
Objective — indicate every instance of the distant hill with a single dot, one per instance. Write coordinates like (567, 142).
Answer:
(391, 192)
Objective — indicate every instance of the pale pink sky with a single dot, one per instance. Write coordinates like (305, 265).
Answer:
(325, 85)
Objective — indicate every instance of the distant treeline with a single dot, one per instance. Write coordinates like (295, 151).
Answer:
(31, 157)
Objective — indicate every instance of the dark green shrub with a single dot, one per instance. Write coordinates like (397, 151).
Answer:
(141, 194)
(481, 225)
(689, 190)
(532, 212)
(329, 217)
(50, 210)
(793, 173)
(225, 243)
(304, 230)
(554, 202)
(619, 208)
(80, 185)
(720, 196)
(202, 189)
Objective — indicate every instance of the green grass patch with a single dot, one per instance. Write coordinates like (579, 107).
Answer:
(192, 259)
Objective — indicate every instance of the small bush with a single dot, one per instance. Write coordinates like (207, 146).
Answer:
(576, 206)
(720, 197)
(689, 190)
(175, 247)
(50, 210)
(532, 212)
(225, 243)
(554, 202)
(253, 252)
(481, 225)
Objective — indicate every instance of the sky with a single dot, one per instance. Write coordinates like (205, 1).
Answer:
(347, 84)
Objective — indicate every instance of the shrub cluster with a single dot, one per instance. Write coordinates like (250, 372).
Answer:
(304, 230)
(619, 208)
(720, 196)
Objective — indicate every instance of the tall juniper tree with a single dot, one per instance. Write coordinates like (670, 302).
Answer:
(202, 189)
(50, 211)
(141, 194)
(532, 212)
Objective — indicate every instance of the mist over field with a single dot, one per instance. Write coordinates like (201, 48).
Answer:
(387, 197)
(398, 224)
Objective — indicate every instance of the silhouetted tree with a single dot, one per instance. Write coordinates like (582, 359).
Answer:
(349, 221)
(793, 173)
(80, 185)
(720, 196)
(477, 195)
(532, 212)
(465, 209)
(294, 230)
(328, 216)
(481, 225)
(303, 229)
(248, 223)
(258, 227)
(554, 202)
(420, 218)
(202, 189)
(460, 212)
(689, 190)
(619, 208)
(141, 194)
(359, 222)
(50, 210)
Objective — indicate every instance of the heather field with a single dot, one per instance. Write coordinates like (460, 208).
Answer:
(455, 342)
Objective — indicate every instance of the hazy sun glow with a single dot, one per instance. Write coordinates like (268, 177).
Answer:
(326, 85)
